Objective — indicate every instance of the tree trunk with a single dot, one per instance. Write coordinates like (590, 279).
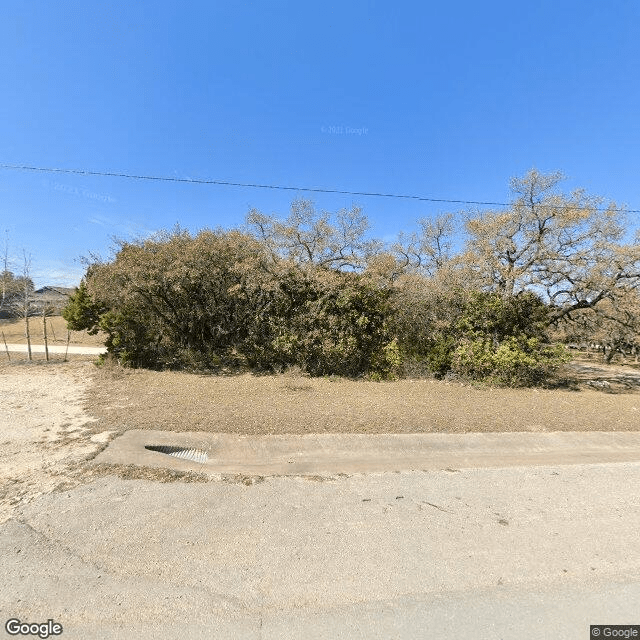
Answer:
(613, 349)
(7, 348)
(27, 332)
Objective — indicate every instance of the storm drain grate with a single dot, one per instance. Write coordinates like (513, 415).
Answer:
(193, 455)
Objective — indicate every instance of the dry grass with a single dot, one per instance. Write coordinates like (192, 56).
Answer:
(56, 333)
(294, 404)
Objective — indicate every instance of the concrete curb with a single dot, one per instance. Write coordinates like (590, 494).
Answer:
(355, 453)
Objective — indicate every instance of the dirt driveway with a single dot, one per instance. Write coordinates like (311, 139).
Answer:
(44, 433)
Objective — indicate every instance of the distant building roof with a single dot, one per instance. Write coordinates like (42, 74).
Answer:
(63, 291)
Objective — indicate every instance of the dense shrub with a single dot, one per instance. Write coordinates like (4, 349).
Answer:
(499, 317)
(424, 312)
(177, 301)
(172, 300)
(198, 302)
(517, 361)
(327, 323)
(484, 335)
(81, 312)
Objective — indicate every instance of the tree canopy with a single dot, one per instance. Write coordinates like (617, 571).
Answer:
(314, 290)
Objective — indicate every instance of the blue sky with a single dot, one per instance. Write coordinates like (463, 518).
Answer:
(444, 100)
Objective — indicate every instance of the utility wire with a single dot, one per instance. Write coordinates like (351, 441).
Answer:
(86, 172)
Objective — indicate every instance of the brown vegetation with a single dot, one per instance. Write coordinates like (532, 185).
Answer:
(56, 333)
(244, 403)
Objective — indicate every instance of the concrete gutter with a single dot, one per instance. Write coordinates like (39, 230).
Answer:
(354, 453)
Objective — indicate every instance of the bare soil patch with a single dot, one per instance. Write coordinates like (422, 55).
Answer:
(619, 376)
(44, 430)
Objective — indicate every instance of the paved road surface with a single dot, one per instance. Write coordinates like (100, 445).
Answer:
(511, 553)
(39, 348)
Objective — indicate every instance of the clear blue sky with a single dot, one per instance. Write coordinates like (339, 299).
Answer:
(452, 99)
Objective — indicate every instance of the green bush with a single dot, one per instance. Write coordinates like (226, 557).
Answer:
(82, 312)
(499, 317)
(177, 301)
(325, 322)
(129, 340)
(517, 361)
(439, 353)
(491, 337)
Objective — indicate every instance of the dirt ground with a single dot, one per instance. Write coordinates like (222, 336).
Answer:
(44, 436)
(57, 416)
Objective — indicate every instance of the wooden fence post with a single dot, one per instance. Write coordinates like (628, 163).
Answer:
(27, 332)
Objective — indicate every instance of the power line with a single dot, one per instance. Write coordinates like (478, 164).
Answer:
(86, 172)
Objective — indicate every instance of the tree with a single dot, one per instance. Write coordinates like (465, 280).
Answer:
(564, 247)
(429, 250)
(326, 322)
(82, 312)
(474, 334)
(307, 236)
(182, 301)
(173, 297)
(11, 286)
(615, 326)
(312, 290)
(21, 302)
(7, 276)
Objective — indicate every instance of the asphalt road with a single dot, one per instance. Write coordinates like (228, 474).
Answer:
(519, 552)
